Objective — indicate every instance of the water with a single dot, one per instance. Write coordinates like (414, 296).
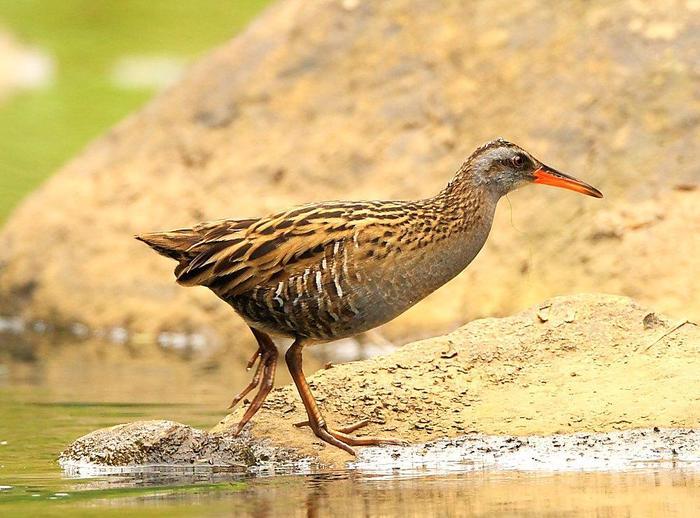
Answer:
(45, 404)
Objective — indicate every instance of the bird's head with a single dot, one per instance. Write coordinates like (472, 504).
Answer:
(501, 166)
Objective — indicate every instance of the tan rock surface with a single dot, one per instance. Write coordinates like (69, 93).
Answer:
(326, 100)
(585, 363)
(571, 365)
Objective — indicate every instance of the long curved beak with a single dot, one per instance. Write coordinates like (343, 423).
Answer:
(548, 176)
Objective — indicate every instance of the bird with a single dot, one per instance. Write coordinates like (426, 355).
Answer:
(325, 271)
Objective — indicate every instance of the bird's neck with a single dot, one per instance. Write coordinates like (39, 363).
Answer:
(449, 230)
(459, 219)
(465, 215)
(465, 206)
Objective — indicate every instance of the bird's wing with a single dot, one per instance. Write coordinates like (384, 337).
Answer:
(232, 260)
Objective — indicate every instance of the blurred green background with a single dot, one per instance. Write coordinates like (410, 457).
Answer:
(89, 65)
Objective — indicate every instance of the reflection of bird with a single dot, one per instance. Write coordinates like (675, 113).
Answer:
(330, 270)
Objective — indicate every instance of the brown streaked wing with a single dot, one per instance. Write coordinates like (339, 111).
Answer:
(233, 260)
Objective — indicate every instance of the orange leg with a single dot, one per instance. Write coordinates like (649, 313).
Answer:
(340, 437)
(266, 370)
(262, 347)
(253, 383)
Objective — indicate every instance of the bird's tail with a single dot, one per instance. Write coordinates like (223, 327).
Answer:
(174, 244)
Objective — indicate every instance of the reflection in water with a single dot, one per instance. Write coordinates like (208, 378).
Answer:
(520, 494)
(476, 494)
(649, 493)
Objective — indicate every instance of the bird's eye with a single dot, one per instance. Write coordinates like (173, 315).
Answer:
(518, 161)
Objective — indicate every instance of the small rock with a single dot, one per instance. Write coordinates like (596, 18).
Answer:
(652, 320)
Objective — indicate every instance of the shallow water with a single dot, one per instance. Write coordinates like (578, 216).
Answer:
(45, 404)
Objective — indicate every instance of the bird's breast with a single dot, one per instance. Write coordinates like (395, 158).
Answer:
(361, 283)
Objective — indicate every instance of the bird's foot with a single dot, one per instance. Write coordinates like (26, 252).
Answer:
(341, 437)
(253, 382)
(253, 359)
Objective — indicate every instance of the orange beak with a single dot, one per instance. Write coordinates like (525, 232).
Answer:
(548, 176)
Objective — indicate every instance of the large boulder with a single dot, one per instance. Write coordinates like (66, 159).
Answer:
(583, 364)
(358, 99)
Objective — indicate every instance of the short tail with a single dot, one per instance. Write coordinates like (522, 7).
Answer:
(174, 244)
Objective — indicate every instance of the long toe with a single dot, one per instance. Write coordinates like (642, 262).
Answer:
(354, 426)
(353, 440)
(345, 429)
(254, 382)
(253, 359)
(237, 399)
(327, 436)
(342, 439)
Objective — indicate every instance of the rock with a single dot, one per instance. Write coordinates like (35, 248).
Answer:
(158, 443)
(320, 101)
(510, 376)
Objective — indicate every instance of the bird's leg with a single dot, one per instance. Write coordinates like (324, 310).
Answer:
(256, 377)
(338, 438)
(253, 383)
(265, 345)
(269, 360)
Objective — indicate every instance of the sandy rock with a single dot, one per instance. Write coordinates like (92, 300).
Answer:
(323, 100)
(593, 365)
(581, 364)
